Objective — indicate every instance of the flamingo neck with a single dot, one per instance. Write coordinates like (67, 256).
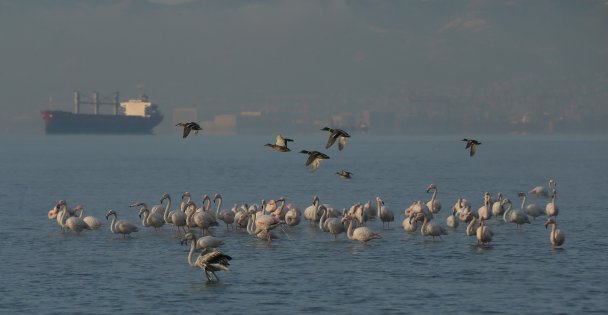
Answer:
(322, 220)
(113, 224)
(349, 232)
(167, 209)
(192, 248)
(145, 221)
(219, 206)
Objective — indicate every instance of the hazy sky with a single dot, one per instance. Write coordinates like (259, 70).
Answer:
(185, 52)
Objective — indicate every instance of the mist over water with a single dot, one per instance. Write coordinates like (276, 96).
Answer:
(305, 271)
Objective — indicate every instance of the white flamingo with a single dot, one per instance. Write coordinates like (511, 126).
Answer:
(225, 215)
(472, 226)
(293, 215)
(176, 217)
(384, 213)
(485, 211)
(532, 210)
(311, 213)
(73, 223)
(434, 205)
(361, 234)
(153, 220)
(557, 237)
(120, 227)
(551, 209)
(93, 222)
(484, 234)
(518, 217)
(430, 227)
(209, 261)
(264, 231)
(497, 207)
(541, 191)
(451, 220)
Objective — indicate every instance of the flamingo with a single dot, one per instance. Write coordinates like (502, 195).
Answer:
(59, 214)
(176, 217)
(225, 215)
(485, 211)
(293, 215)
(263, 231)
(518, 217)
(362, 233)
(497, 208)
(408, 224)
(369, 210)
(430, 227)
(451, 220)
(484, 234)
(311, 213)
(205, 242)
(557, 237)
(384, 213)
(209, 261)
(541, 191)
(433, 204)
(153, 220)
(240, 217)
(73, 223)
(532, 210)
(551, 209)
(91, 221)
(120, 227)
(473, 225)
(202, 218)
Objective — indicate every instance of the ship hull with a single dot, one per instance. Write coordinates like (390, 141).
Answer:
(62, 122)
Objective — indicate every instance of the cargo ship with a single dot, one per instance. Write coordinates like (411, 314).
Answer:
(134, 116)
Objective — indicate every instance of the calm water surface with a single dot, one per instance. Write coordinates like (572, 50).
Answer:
(306, 271)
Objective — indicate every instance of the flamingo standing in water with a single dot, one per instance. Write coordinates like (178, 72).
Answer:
(551, 208)
(384, 213)
(73, 223)
(93, 222)
(541, 191)
(485, 211)
(362, 233)
(434, 205)
(209, 261)
(429, 226)
(120, 227)
(153, 220)
(497, 208)
(518, 217)
(293, 215)
(484, 234)
(557, 237)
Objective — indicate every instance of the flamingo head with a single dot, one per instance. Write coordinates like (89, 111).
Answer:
(186, 194)
(52, 214)
(138, 204)
(521, 194)
(142, 211)
(505, 201)
(216, 197)
(110, 212)
(60, 203)
(165, 196)
(431, 187)
(550, 221)
(187, 237)
(206, 198)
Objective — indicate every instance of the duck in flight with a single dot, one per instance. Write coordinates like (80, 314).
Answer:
(344, 174)
(280, 144)
(189, 126)
(336, 134)
(472, 145)
(314, 159)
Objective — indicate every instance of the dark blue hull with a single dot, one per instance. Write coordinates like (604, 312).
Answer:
(62, 122)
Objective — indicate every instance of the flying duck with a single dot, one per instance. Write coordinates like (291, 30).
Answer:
(472, 144)
(280, 144)
(344, 174)
(314, 159)
(189, 126)
(336, 134)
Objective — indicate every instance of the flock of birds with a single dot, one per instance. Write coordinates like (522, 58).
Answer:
(265, 220)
